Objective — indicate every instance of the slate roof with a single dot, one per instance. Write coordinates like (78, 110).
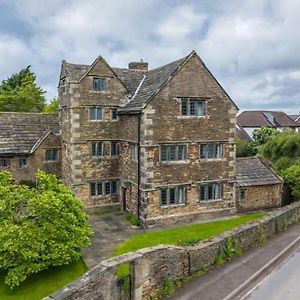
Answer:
(265, 118)
(20, 132)
(141, 85)
(242, 133)
(296, 118)
(254, 171)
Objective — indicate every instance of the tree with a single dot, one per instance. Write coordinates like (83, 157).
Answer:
(263, 134)
(39, 227)
(53, 106)
(21, 93)
(245, 148)
(291, 177)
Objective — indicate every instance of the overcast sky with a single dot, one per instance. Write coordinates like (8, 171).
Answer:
(251, 46)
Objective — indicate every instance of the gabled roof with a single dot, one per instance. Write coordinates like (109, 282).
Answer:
(296, 118)
(265, 118)
(255, 171)
(141, 85)
(21, 133)
(242, 133)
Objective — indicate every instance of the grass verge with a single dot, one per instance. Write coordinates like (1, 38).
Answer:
(183, 235)
(43, 283)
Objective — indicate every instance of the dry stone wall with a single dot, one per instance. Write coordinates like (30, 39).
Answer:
(149, 267)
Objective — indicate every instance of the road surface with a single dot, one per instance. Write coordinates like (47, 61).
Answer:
(283, 283)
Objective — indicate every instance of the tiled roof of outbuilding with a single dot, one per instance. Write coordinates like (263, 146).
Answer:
(253, 171)
(20, 132)
(265, 118)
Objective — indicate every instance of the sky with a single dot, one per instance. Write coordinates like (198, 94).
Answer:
(251, 46)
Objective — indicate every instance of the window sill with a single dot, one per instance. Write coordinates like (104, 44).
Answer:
(192, 117)
(209, 201)
(104, 196)
(98, 92)
(51, 161)
(92, 121)
(105, 157)
(175, 162)
(211, 159)
(172, 205)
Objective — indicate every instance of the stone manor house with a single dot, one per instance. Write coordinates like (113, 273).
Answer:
(159, 143)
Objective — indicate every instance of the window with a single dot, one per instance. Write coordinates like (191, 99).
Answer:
(242, 194)
(63, 86)
(173, 195)
(22, 162)
(51, 155)
(172, 153)
(210, 191)
(211, 151)
(114, 114)
(114, 148)
(96, 113)
(102, 188)
(193, 107)
(99, 84)
(4, 163)
(134, 152)
(96, 149)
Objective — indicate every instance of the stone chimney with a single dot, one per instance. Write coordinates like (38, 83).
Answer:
(138, 65)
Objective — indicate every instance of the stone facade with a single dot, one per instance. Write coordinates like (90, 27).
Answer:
(149, 117)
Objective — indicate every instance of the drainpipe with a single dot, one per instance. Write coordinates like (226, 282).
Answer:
(139, 167)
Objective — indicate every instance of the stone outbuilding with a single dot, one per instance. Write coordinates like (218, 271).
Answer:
(29, 142)
(258, 186)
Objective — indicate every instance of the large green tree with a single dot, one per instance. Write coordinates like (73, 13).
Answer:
(53, 106)
(39, 227)
(20, 92)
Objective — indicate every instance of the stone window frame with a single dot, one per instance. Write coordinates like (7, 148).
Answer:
(5, 163)
(170, 152)
(52, 155)
(203, 191)
(104, 149)
(96, 149)
(63, 86)
(97, 108)
(242, 194)
(192, 107)
(116, 148)
(21, 162)
(114, 114)
(216, 148)
(171, 196)
(104, 188)
(99, 84)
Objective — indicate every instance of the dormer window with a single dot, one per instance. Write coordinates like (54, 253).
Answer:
(99, 84)
(193, 107)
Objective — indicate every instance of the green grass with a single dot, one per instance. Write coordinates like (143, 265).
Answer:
(183, 235)
(43, 283)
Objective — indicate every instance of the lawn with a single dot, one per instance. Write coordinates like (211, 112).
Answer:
(44, 283)
(183, 235)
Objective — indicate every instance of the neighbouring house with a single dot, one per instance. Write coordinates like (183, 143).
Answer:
(159, 143)
(296, 118)
(241, 133)
(251, 120)
(28, 142)
(258, 186)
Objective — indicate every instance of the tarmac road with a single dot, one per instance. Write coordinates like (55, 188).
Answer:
(283, 283)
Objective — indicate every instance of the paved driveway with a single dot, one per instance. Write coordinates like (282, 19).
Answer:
(109, 230)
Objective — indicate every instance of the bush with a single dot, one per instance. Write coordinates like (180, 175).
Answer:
(291, 176)
(263, 134)
(245, 148)
(39, 228)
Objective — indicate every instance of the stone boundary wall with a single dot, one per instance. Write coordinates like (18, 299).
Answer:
(149, 267)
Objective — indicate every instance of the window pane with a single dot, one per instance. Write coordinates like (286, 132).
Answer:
(172, 195)
(210, 151)
(201, 111)
(107, 187)
(203, 151)
(163, 153)
(209, 191)
(55, 155)
(202, 192)
(93, 189)
(173, 152)
(242, 194)
(113, 187)
(182, 152)
(99, 149)
(99, 113)
(184, 105)
(113, 148)
(99, 189)
(192, 108)
(93, 113)
(181, 195)
(163, 197)
(114, 115)
(48, 155)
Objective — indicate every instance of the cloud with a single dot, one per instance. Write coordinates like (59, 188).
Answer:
(251, 46)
